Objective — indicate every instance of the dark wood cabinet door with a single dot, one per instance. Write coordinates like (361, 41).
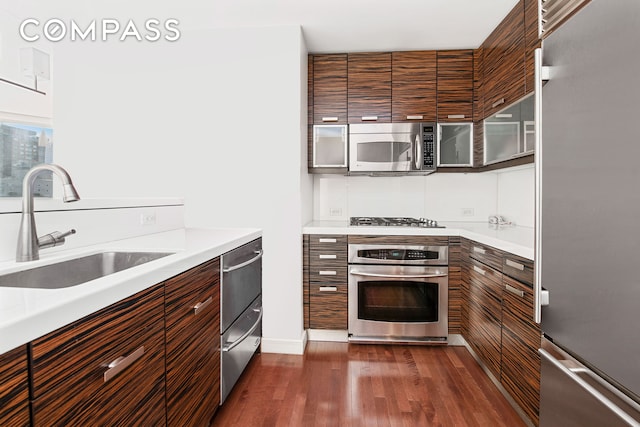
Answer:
(328, 290)
(369, 87)
(520, 343)
(413, 77)
(531, 41)
(455, 285)
(455, 85)
(192, 310)
(485, 314)
(330, 89)
(14, 388)
(504, 62)
(107, 368)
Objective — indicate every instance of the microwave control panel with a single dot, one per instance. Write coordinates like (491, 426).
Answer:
(429, 146)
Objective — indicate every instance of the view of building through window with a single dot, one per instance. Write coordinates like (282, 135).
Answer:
(21, 148)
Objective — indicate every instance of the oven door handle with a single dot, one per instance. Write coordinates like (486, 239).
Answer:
(397, 276)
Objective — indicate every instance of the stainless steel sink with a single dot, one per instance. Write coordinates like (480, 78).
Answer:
(78, 270)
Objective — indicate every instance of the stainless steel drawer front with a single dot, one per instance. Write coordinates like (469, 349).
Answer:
(238, 344)
(241, 281)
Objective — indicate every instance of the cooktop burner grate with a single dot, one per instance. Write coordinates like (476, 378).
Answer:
(394, 222)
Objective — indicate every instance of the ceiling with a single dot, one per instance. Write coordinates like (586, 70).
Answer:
(372, 25)
(327, 25)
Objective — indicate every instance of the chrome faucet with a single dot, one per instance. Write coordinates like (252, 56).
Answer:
(29, 243)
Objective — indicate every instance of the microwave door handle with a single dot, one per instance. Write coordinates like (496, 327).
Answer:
(418, 152)
(397, 276)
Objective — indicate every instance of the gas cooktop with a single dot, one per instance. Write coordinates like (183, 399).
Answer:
(394, 222)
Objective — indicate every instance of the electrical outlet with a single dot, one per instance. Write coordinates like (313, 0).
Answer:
(148, 218)
(335, 212)
(466, 211)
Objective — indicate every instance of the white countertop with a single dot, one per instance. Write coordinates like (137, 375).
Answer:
(26, 314)
(514, 239)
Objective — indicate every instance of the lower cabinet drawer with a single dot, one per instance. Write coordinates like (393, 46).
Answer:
(105, 369)
(328, 306)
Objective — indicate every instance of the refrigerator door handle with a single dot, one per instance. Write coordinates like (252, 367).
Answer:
(537, 282)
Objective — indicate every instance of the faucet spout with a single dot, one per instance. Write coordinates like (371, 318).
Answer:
(28, 245)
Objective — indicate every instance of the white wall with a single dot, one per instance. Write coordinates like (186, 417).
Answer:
(214, 118)
(443, 197)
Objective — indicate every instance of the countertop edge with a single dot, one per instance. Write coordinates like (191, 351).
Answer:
(118, 286)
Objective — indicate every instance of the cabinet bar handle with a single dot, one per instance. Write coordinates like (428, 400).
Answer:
(418, 117)
(329, 119)
(455, 116)
(503, 116)
(514, 291)
(514, 264)
(479, 270)
(328, 256)
(201, 305)
(479, 250)
(498, 102)
(327, 273)
(327, 240)
(121, 363)
(369, 118)
(328, 289)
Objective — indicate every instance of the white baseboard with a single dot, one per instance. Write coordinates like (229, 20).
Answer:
(328, 335)
(281, 346)
(457, 340)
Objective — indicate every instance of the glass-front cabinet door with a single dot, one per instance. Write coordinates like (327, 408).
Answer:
(455, 143)
(510, 132)
(330, 146)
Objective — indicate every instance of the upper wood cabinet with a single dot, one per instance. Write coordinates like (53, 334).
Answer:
(531, 41)
(455, 85)
(369, 87)
(504, 72)
(14, 388)
(413, 77)
(329, 89)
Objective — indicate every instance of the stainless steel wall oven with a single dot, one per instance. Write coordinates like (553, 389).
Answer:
(398, 293)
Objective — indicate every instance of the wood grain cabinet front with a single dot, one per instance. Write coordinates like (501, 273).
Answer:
(520, 343)
(413, 77)
(192, 310)
(485, 314)
(328, 282)
(330, 89)
(107, 368)
(504, 72)
(455, 86)
(369, 87)
(14, 388)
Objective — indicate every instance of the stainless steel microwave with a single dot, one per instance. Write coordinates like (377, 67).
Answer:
(392, 147)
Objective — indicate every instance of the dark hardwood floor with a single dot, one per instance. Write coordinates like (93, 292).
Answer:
(355, 385)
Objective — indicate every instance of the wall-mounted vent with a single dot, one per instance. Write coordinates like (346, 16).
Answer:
(554, 13)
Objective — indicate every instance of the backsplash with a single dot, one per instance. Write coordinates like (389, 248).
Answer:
(443, 197)
(93, 225)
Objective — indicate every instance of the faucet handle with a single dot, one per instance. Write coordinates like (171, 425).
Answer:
(54, 239)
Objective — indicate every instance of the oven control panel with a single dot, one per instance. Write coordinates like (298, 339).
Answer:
(398, 254)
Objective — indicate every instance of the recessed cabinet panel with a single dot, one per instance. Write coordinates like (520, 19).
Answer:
(330, 146)
(510, 133)
(455, 144)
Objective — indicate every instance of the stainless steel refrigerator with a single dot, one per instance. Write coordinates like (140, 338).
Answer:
(588, 222)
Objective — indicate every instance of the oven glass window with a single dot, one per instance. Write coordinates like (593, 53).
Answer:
(398, 301)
